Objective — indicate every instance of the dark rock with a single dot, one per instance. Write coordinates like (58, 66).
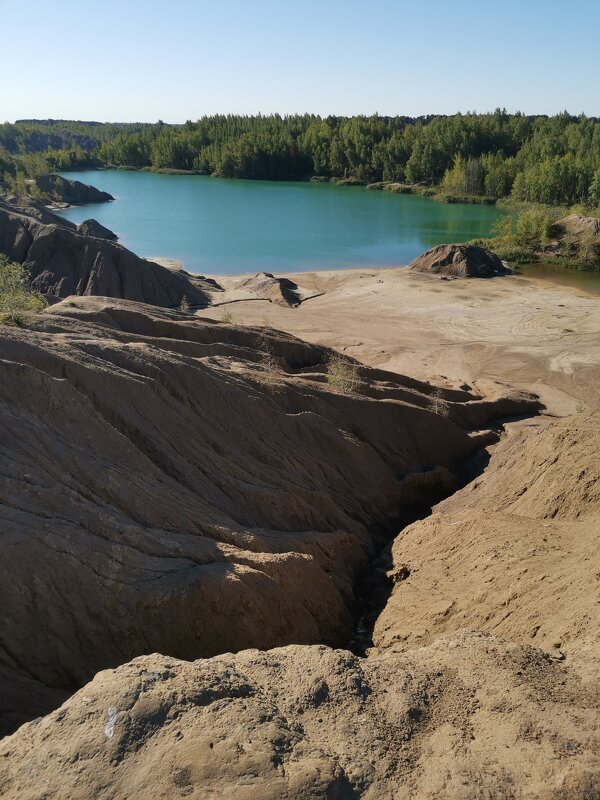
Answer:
(461, 261)
(69, 191)
(91, 227)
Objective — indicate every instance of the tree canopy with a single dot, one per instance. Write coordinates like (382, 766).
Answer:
(552, 160)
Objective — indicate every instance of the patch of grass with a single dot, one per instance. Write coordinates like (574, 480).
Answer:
(227, 317)
(343, 375)
(401, 188)
(16, 297)
(184, 306)
(477, 199)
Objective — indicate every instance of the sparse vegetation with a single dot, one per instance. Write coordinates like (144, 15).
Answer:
(437, 404)
(16, 297)
(184, 306)
(227, 317)
(268, 359)
(343, 375)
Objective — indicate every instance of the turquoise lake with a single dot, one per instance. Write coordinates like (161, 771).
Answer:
(215, 225)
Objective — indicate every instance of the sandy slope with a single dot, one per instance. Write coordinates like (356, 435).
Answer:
(483, 683)
(529, 333)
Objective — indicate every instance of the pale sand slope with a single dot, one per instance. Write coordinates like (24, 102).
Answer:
(532, 334)
(515, 553)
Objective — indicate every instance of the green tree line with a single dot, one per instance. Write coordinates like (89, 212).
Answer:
(551, 160)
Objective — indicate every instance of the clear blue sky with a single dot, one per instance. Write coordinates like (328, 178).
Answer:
(174, 60)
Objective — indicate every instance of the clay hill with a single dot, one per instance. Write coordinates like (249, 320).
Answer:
(64, 190)
(178, 485)
(460, 261)
(468, 708)
(63, 259)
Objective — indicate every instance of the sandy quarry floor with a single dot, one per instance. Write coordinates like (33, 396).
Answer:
(526, 332)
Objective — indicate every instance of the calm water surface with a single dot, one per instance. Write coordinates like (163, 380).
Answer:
(232, 226)
(588, 282)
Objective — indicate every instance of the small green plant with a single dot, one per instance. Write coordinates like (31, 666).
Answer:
(184, 306)
(342, 374)
(227, 317)
(580, 408)
(16, 297)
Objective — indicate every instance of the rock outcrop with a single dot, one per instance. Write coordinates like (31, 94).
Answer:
(178, 485)
(579, 225)
(62, 261)
(91, 227)
(460, 261)
(468, 717)
(64, 190)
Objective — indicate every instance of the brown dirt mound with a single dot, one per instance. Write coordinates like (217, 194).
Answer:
(172, 490)
(267, 287)
(460, 261)
(514, 553)
(468, 717)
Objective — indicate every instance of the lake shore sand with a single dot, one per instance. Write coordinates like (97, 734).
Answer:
(529, 333)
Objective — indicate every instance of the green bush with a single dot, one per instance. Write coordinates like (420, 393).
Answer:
(16, 297)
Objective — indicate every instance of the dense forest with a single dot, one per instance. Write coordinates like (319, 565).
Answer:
(550, 160)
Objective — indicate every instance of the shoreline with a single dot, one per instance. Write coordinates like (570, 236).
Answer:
(176, 264)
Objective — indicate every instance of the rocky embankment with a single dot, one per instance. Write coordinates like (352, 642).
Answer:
(63, 259)
(189, 487)
(71, 192)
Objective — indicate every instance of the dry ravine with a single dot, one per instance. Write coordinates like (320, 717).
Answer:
(174, 485)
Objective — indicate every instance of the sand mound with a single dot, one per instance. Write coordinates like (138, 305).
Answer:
(467, 717)
(62, 261)
(267, 287)
(514, 553)
(460, 261)
(173, 489)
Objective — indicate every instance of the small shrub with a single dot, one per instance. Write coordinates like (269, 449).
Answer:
(184, 306)
(399, 188)
(16, 298)
(342, 374)
(227, 316)
(437, 404)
